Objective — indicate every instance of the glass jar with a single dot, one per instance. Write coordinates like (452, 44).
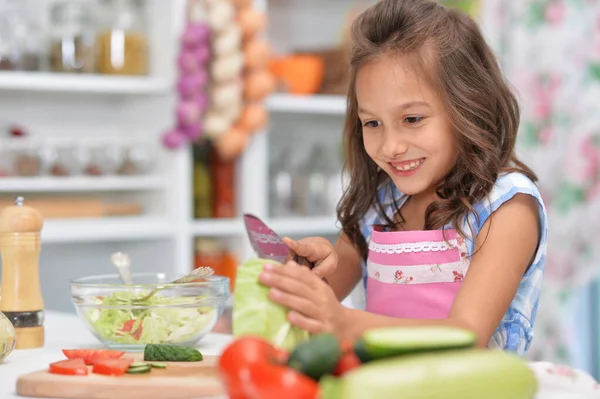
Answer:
(105, 157)
(19, 38)
(64, 157)
(139, 157)
(72, 34)
(122, 41)
(25, 156)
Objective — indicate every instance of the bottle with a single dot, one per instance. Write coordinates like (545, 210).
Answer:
(223, 175)
(122, 43)
(21, 301)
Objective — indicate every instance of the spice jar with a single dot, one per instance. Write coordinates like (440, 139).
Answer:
(105, 157)
(72, 37)
(139, 158)
(122, 42)
(63, 157)
(25, 155)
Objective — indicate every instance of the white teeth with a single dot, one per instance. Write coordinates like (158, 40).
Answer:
(411, 166)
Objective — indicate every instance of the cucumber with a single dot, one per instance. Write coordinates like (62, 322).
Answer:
(360, 349)
(138, 364)
(317, 356)
(330, 387)
(394, 341)
(462, 373)
(139, 369)
(158, 365)
(171, 353)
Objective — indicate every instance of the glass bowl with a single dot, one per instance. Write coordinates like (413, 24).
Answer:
(179, 314)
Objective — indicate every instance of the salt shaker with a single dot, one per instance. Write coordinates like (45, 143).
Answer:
(21, 300)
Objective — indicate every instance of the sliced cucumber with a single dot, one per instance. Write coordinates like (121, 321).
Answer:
(462, 373)
(139, 369)
(158, 365)
(138, 364)
(394, 341)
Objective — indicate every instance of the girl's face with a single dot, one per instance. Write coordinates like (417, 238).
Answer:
(406, 129)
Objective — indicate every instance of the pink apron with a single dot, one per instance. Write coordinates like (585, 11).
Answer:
(414, 274)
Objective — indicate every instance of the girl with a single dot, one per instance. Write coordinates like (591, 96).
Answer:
(441, 220)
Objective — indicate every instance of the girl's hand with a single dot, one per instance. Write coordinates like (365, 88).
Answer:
(312, 303)
(317, 250)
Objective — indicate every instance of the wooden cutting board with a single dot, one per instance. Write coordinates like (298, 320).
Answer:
(177, 381)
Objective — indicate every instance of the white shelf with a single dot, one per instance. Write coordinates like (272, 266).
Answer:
(105, 229)
(80, 184)
(217, 227)
(81, 83)
(315, 104)
(282, 226)
(304, 226)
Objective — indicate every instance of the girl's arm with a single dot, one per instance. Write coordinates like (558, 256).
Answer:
(505, 247)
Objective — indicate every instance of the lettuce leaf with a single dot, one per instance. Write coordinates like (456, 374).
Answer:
(254, 314)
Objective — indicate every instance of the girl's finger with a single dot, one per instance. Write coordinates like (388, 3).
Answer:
(302, 305)
(313, 326)
(285, 282)
(294, 271)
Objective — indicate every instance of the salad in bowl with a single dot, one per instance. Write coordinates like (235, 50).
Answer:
(124, 316)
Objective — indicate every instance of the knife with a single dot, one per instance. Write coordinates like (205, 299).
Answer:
(269, 245)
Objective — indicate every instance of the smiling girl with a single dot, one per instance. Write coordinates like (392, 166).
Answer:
(441, 221)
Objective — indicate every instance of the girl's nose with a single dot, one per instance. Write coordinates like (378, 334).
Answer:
(393, 145)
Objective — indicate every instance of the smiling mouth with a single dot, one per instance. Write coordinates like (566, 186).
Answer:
(407, 166)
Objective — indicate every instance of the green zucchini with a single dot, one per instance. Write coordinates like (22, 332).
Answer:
(317, 356)
(171, 353)
(462, 373)
(394, 341)
(330, 387)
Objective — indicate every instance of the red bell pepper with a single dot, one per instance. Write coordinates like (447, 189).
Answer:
(252, 368)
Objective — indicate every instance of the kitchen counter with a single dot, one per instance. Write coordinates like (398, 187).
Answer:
(64, 330)
(67, 331)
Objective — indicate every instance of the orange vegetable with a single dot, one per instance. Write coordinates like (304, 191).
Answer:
(254, 117)
(258, 85)
(257, 54)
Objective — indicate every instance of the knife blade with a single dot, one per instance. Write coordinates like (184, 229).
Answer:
(268, 244)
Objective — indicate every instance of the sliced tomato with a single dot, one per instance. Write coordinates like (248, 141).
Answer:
(91, 356)
(128, 326)
(112, 366)
(69, 367)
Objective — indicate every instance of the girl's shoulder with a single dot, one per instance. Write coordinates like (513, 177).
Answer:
(507, 186)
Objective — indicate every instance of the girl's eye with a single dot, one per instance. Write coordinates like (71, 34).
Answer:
(371, 124)
(413, 120)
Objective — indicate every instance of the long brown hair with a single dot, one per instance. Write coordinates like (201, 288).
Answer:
(484, 112)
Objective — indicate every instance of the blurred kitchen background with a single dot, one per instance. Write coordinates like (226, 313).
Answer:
(83, 123)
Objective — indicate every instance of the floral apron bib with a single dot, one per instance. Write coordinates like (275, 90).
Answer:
(414, 274)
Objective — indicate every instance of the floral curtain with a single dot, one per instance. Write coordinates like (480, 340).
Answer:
(550, 50)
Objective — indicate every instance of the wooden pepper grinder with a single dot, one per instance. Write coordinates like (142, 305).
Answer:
(21, 299)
